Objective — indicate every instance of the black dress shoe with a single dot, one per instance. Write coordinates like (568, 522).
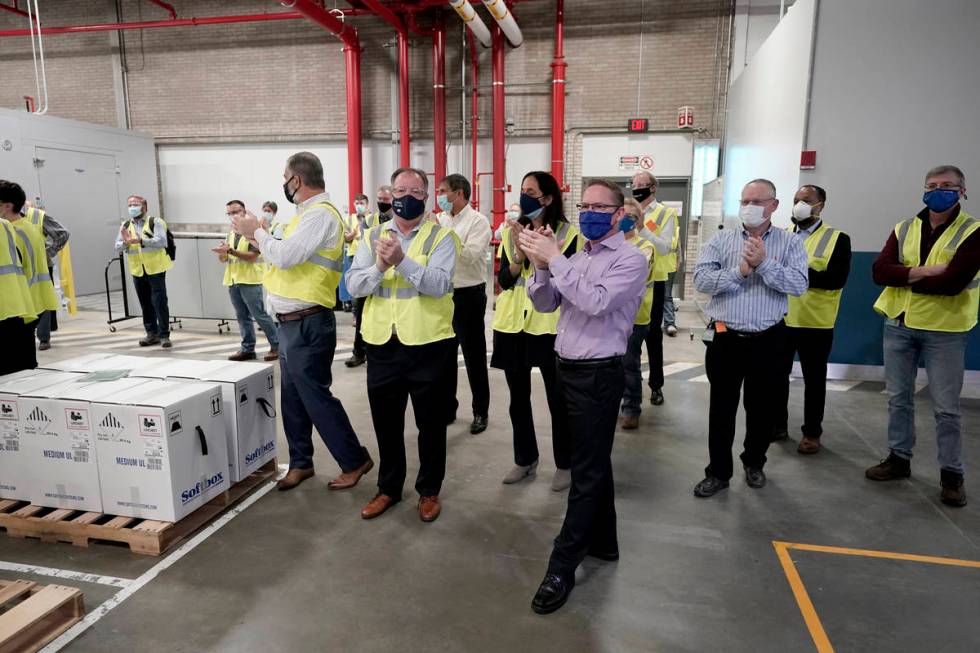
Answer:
(778, 435)
(709, 487)
(657, 397)
(755, 477)
(552, 593)
(479, 425)
(354, 361)
(605, 556)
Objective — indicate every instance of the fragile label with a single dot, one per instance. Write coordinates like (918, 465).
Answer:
(149, 426)
(76, 418)
(8, 410)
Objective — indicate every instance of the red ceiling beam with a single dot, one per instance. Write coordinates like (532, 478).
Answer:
(169, 7)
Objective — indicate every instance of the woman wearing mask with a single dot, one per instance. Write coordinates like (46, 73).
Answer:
(633, 395)
(524, 338)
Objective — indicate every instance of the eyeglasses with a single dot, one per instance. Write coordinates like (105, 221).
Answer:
(417, 193)
(756, 202)
(946, 185)
(600, 208)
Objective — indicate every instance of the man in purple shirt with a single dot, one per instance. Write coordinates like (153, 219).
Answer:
(598, 290)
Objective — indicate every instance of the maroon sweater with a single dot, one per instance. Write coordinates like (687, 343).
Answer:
(888, 271)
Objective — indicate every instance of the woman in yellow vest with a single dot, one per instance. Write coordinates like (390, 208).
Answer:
(633, 395)
(144, 241)
(243, 276)
(18, 315)
(930, 267)
(524, 338)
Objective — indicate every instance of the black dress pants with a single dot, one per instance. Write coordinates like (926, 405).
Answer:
(731, 361)
(813, 347)
(655, 337)
(592, 393)
(469, 312)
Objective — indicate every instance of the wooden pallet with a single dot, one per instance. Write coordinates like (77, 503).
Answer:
(33, 615)
(145, 536)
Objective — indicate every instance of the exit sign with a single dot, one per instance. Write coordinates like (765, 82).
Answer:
(638, 125)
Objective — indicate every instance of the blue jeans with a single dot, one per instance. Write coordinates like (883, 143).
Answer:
(342, 293)
(633, 395)
(669, 301)
(305, 356)
(247, 300)
(944, 356)
(44, 326)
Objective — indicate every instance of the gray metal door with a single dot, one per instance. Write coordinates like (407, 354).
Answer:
(80, 190)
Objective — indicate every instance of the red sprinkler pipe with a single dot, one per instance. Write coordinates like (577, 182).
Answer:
(475, 119)
(170, 9)
(558, 68)
(404, 116)
(499, 156)
(439, 98)
(151, 24)
(15, 10)
(352, 59)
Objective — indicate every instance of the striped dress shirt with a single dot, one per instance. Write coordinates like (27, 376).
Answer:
(756, 302)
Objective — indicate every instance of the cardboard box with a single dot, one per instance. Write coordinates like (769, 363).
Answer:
(60, 450)
(249, 400)
(16, 475)
(161, 449)
(102, 362)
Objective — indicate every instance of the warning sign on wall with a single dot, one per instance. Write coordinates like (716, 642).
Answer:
(636, 162)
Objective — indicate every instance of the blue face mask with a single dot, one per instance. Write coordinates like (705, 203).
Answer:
(531, 207)
(134, 211)
(444, 202)
(408, 207)
(594, 225)
(627, 224)
(941, 199)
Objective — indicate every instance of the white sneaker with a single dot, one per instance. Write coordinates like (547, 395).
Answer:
(671, 330)
(562, 480)
(520, 472)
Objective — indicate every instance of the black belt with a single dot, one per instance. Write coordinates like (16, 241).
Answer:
(609, 361)
(300, 314)
(751, 334)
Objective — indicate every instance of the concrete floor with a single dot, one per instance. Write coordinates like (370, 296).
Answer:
(300, 571)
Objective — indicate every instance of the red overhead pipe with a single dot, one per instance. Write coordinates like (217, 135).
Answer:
(151, 24)
(558, 67)
(499, 157)
(352, 59)
(168, 7)
(15, 10)
(475, 119)
(439, 97)
(404, 117)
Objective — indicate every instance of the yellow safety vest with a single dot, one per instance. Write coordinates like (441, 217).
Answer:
(153, 261)
(646, 304)
(35, 216)
(514, 311)
(817, 307)
(656, 219)
(953, 314)
(30, 244)
(15, 295)
(370, 220)
(396, 306)
(237, 271)
(316, 279)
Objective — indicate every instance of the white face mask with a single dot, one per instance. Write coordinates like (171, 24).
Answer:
(752, 216)
(514, 214)
(802, 211)
(267, 215)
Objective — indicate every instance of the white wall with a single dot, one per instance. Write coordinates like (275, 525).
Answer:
(672, 154)
(766, 111)
(84, 179)
(754, 21)
(896, 91)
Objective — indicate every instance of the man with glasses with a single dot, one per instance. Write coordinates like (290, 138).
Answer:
(749, 273)
(469, 296)
(365, 222)
(405, 270)
(598, 290)
(660, 228)
(301, 291)
(930, 267)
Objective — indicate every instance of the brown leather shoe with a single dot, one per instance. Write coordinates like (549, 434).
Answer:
(293, 478)
(429, 508)
(808, 446)
(377, 506)
(349, 479)
(273, 355)
(242, 356)
(629, 422)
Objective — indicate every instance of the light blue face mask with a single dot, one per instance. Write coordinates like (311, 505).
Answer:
(444, 202)
(135, 211)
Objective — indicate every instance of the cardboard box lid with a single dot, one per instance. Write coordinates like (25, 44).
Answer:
(172, 368)
(191, 369)
(234, 372)
(100, 391)
(40, 379)
(165, 393)
(76, 364)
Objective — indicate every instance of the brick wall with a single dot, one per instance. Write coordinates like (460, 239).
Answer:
(283, 80)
